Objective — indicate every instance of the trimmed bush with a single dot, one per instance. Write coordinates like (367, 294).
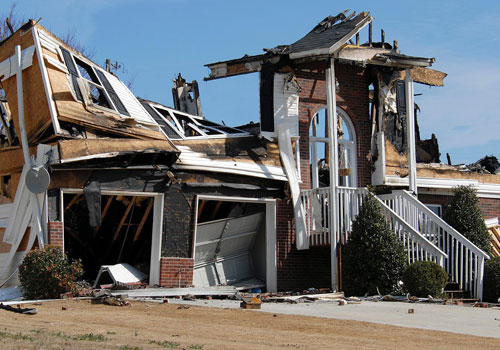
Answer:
(373, 257)
(47, 273)
(424, 278)
(464, 215)
(491, 289)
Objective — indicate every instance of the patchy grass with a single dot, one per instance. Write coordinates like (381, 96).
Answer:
(128, 347)
(196, 347)
(167, 344)
(16, 336)
(90, 337)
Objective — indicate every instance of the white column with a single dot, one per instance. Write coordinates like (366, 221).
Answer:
(410, 123)
(37, 220)
(333, 149)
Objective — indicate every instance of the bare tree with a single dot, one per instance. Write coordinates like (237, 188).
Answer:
(10, 21)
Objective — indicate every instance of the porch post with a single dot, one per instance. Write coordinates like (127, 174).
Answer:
(410, 122)
(333, 149)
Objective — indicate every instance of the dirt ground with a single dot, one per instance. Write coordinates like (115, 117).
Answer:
(75, 325)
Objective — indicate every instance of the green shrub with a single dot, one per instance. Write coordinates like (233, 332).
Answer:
(47, 273)
(464, 215)
(424, 278)
(491, 289)
(373, 257)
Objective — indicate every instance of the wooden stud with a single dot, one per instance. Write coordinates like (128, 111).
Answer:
(143, 220)
(122, 221)
(73, 201)
(357, 39)
(104, 212)
(382, 37)
(200, 208)
(214, 213)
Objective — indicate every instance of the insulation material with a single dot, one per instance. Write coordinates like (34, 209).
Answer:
(92, 193)
(286, 103)
(286, 153)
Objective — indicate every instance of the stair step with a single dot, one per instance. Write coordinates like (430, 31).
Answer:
(454, 294)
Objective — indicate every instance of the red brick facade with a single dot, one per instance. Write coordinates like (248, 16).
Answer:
(176, 272)
(490, 207)
(311, 268)
(56, 234)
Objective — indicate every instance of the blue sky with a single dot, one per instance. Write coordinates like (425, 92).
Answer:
(155, 40)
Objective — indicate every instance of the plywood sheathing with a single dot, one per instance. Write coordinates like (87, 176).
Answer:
(69, 179)
(425, 76)
(245, 149)
(12, 159)
(397, 164)
(5, 247)
(70, 149)
(495, 240)
(36, 107)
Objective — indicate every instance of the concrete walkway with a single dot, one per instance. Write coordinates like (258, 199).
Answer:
(450, 318)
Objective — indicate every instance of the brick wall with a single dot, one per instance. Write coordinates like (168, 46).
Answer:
(352, 98)
(56, 234)
(298, 269)
(311, 268)
(490, 207)
(176, 272)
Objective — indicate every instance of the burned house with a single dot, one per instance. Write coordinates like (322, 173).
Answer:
(112, 178)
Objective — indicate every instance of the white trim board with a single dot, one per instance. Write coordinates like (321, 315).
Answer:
(444, 186)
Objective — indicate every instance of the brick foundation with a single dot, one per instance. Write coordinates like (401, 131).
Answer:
(176, 272)
(56, 234)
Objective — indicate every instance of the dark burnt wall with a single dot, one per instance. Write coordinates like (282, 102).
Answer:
(179, 210)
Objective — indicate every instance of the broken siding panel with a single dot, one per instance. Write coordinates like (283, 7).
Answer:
(286, 104)
(130, 102)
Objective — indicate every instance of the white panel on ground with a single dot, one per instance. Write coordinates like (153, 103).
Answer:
(223, 250)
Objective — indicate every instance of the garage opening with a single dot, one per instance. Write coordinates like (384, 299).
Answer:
(123, 236)
(230, 244)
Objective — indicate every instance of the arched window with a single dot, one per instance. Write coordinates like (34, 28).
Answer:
(319, 156)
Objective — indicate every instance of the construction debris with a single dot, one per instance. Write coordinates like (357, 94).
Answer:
(19, 310)
(251, 303)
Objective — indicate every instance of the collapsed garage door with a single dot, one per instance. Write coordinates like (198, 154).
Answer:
(231, 251)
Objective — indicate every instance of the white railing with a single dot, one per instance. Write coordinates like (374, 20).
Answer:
(465, 263)
(350, 200)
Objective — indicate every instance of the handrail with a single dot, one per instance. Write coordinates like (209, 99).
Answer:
(439, 221)
(465, 262)
(421, 239)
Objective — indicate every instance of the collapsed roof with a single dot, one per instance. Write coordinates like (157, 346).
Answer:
(332, 37)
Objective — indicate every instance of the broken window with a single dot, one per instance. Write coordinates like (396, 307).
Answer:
(8, 135)
(91, 85)
(319, 153)
(181, 125)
